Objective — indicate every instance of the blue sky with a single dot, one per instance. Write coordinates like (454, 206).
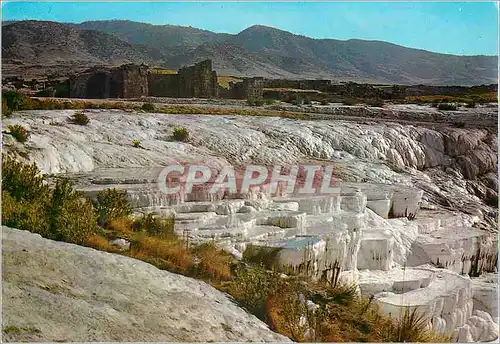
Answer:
(463, 28)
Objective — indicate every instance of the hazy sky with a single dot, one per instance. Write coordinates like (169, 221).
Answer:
(464, 28)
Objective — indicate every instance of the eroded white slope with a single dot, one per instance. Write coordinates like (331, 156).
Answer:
(74, 293)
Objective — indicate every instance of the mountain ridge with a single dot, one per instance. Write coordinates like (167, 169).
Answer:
(258, 50)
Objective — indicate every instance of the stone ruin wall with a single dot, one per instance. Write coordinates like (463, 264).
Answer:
(127, 81)
(352, 89)
(163, 85)
(135, 81)
(198, 81)
(320, 85)
(78, 85)
(249, 88)
(253, 88)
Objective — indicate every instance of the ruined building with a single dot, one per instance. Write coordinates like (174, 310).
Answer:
(133, 81)
(249, 88)
(127, 81)
(198, 81)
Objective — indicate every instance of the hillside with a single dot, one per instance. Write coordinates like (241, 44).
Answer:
(42, 42)
(382, 61)
(169, 39)
(256, 51)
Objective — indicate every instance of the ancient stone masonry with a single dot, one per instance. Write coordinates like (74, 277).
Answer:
(135, 81)
(163, 85)
(253, 88)
(320, 85)
(249, 88)
(198, 81)
(127, 81)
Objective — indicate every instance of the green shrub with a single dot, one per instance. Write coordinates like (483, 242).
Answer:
(307, 101)
(29, 204)
(324, 102)
(25, 215)
(148, 107)
(23, 182)
(18, 132)
(75, 222)
(136, 143)
(251, 288)
(180, 134)
(447, 106)
(154, 226)
(110, 205)
(6, 111)
(72, 217)
(25, 197)
(264, 256)
(13, 99)
(269, 101)
(79, 118)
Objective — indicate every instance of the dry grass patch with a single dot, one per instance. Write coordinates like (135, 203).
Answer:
(100, 243)
(212, 262)
(171, 255)
(121, 227)
(61, 104)
(224, 81)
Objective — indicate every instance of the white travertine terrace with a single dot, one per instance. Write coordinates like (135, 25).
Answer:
(386, 229)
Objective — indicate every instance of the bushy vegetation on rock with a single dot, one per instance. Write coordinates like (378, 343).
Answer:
(79, 118)
(18, 132)
(110, 205)
(148, 107)
(136, 143)
(180, 134)
(13, 101)
(29, 204)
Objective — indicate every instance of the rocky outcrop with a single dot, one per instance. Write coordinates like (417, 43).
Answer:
(54, 291)
(409, 196)
(440, 162)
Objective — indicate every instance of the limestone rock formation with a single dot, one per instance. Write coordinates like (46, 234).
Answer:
(54, 291)
(409, 197)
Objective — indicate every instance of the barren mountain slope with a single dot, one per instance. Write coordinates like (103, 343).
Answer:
(256, 51)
